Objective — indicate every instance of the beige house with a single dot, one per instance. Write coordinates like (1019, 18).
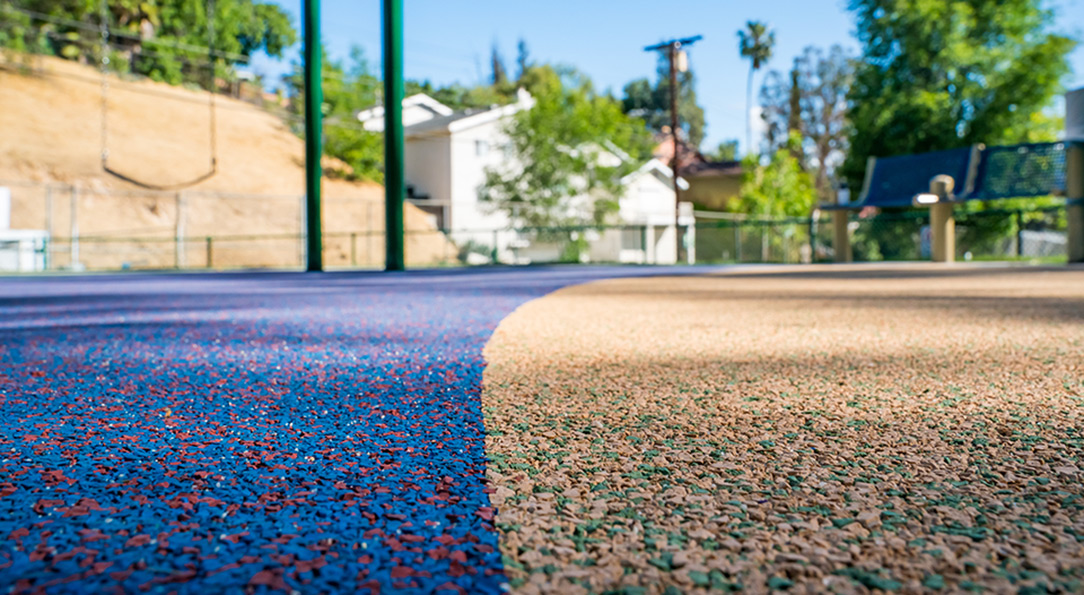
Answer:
(712, 184)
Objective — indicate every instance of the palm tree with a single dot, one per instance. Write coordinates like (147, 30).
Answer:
(755, 43)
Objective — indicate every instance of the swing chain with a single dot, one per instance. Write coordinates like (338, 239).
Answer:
(103, 22)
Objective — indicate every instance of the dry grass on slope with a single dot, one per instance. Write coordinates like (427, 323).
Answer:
(50, 115)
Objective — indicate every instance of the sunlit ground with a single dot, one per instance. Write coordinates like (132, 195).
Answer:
(909, 427)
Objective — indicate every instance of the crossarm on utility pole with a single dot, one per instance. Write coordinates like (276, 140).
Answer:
(672, 48)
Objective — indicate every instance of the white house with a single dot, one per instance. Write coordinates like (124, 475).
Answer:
(447, 154)
(21, 250)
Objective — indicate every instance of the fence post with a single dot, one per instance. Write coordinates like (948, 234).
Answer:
(48, 223)
(841, 235)
(649, 250)
(353, 249)
(690, 243)
(210, 252)
(178, 233)
(643, 243)
(49, 210)
(1019, 233)
(737, 241)
(942, 223)
(74, 241)
(1074, 210)
(302, 248)
(369, 233)
(495, 251)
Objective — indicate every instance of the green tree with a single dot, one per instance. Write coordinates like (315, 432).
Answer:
(347, 89)
(779, 188)
(164, 39)
(939, 74)
(652, 103)
(498, 73)
(523, 59)
(811, 101)
(568, 154)
(726, 151)
(755, 42)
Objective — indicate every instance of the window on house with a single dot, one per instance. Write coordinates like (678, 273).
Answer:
(481, 147)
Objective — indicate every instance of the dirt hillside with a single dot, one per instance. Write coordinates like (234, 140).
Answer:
(50, 118)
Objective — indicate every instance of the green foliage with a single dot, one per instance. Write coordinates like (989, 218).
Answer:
(726, 151)
(165, 40)
(890, 235)
(460, 97)
(523, 58)
(982, 226)
(812, 101)
(652, 103)
(562, 168)
(755, 42)
(939, 74)
(347, 89)
(498, 73)
(779, 188)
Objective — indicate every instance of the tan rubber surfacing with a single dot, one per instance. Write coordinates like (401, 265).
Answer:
(844, 429)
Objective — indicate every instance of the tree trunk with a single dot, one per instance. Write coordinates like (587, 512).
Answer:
(749, 112)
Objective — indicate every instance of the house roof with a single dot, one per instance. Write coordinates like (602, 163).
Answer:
(664, 152)
(442, 119)
(712, 169)
(659, 169)
(417, 100)
(467, 119)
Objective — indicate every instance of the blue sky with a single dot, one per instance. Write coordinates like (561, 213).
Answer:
(448, 41)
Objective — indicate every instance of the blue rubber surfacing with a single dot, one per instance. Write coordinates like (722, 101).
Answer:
(271, 431)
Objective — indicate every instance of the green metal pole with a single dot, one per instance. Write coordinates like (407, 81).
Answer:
(394, 184)
(314, 99)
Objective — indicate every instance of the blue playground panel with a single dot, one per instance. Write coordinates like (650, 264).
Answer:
(190, 433)
(984, 173)
(1037, 169)
(895, 181)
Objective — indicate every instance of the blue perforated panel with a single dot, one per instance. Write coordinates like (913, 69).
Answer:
(1020, 171)
(896, 180)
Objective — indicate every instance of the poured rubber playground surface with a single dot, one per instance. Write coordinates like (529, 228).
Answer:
(845, 429)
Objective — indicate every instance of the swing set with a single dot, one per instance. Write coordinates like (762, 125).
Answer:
(103, 14)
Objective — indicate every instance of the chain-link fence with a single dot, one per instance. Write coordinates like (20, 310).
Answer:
(753, 240)
(82, 228)
(992, 234)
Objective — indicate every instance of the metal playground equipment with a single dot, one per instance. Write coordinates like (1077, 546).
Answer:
(940, 179)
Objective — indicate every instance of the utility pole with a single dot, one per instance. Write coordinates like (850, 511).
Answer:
(672, 48)
(314, 99)
(394, 183)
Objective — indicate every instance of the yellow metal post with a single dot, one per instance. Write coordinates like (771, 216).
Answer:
(841, 238)
(942, 222)
(1074, 162)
